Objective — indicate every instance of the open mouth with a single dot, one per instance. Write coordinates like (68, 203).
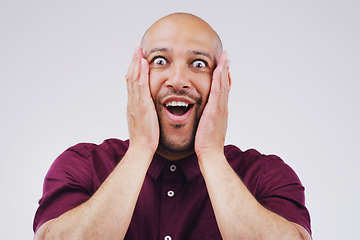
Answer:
(178, 108)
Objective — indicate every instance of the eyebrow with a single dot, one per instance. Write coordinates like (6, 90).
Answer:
(195, 52)
(159, 50)
(191, 52)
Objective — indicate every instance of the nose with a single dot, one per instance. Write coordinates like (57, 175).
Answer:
(178, 77)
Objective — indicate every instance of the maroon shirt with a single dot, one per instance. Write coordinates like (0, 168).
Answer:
(173, 202)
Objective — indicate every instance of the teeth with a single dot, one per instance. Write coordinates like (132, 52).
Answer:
(176, 104)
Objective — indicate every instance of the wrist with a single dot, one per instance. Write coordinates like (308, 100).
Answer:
(145, 144)
(140, 151)
(210, 155)
(212, 163)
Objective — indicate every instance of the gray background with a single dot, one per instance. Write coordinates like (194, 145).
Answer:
(295, 74)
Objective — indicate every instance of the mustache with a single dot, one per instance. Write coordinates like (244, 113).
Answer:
(175, 92)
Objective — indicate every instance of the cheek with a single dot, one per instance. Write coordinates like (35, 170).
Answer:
(203, 87)
(154, 84)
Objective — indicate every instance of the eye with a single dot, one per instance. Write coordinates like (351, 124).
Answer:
(199, 64)
(159, 61)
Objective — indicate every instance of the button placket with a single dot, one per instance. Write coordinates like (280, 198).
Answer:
(171, 193)
(173, 181)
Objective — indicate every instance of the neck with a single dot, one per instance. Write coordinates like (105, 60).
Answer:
(173, 156)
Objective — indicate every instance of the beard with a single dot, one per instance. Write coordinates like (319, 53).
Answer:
(176, 147)
(171, 142)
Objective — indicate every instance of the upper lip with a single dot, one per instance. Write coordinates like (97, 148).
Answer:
(181, 99)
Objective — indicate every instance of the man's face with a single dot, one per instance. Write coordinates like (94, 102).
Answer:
(182, 56)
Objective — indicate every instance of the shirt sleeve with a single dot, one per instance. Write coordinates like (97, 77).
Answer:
(280, 191)
(67, 184)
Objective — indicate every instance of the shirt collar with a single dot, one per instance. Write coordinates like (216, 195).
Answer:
(188, 165)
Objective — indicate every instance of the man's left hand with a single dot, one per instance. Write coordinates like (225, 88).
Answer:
(210, 135)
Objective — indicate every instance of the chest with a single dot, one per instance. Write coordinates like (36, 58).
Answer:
(173, 207)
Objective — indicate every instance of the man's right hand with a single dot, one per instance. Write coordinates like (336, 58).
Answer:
(107, 213)
(142, 119)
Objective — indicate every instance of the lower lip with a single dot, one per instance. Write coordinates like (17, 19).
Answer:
(178, 119)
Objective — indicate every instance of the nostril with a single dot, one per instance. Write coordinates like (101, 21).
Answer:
(177, 83)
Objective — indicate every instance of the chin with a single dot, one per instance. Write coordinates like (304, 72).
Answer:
(171, 145)
(177, 141)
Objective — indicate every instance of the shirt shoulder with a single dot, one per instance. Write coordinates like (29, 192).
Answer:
(253, 165)
(272, 182)
(86, 161)
(110, 146)
(75, 175)
(101, 158)
(247, 164)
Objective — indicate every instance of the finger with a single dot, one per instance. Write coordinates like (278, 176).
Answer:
(129, 82)
(225, 81)
(133, 74)
(220, 71)
(216, 84)
(144, 79)
(131, 66)
(222, 58)
(225, 84)
(136, 66)
(140, 52)
(133, 84)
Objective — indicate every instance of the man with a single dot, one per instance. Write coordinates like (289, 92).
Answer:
(173, 179)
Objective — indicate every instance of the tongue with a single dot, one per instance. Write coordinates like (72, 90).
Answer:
(178, 111)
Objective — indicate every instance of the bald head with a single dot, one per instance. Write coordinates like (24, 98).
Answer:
(184, 23)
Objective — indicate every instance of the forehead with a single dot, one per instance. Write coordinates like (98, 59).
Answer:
(181, 35)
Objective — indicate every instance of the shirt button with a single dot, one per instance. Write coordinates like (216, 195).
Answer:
(167, 238)
(173, 168)
(170, 193)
